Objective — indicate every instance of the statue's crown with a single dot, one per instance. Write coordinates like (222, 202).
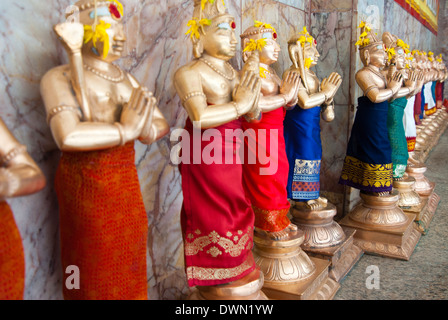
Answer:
(209, 9)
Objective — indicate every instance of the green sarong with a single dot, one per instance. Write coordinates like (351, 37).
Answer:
(397, 136)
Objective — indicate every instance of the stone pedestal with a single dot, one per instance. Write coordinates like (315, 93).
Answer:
(424, 217)
(288, 271)
(325, 239)
(382, 228)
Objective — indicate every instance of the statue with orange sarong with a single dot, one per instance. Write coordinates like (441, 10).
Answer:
(96, 111)
(19, 176)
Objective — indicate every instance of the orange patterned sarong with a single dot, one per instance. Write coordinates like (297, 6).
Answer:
(12, 261)
(103, 224)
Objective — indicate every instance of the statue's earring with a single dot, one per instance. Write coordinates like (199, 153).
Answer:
(198, 48)
(367, 57)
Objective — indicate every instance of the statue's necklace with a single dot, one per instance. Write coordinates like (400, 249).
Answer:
(104, 76)
(230, 78)
(379, 74)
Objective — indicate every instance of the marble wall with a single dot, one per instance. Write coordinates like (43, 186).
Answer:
(156, 47)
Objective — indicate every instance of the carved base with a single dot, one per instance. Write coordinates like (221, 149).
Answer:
(424, 217)
(382, 228)
(289, 273)
(398, 242)
(325, 239)
(422, 185)
(342, 257)
(246, 288)
(379, 211)
(409, 199)
(320, 230)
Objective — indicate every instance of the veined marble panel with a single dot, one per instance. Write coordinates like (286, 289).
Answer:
(331, 5)
(298, 4)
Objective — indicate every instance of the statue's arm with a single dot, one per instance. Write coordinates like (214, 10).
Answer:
(286, 97)
(371, 90)
(19, 174)
(306, 101)
(64, 118)
(189, 89)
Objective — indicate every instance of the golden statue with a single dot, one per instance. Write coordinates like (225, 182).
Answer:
(95, 111)
(312, 213)
(217, 218)
(277, 241)
(19, 176)
(267, 190)
(368, 163)
(302, 124)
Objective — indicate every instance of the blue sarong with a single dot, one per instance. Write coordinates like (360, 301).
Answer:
(368, 162)
(304, 152)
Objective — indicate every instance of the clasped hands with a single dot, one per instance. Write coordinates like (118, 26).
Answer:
(137, 113)
(329, 86)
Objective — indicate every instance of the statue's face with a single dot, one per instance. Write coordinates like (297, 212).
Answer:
(310, 51)
(400, 59)
(115, 34)
(270, 52)
(378, 55)
(220, 40)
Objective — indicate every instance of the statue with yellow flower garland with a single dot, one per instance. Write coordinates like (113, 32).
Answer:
(302, 123)
(313, 214)
(267, 192)
(265, 183)
(95, 112)
(217, 218)
(382, 228)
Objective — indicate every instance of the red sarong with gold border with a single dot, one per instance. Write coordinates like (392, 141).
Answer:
(267, 190)
(12, 260)
(103, 224)
(217, 219)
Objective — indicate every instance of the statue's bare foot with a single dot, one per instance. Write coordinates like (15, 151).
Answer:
(315, 204)
(277, 235)
(377, 194)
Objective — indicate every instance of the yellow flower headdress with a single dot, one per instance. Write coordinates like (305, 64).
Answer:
(403, 45)
(304, 38)
(197, 24)
(259, 24)
(98, 31)
(390, 53)
(363, 37)
(440, 58)
(255, 45)
(431, 56)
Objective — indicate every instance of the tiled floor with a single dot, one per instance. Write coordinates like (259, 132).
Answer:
(425, 275)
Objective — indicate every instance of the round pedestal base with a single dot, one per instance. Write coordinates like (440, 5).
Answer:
(379, 211)
(320, 230)
(283, 261)
(406, 190)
